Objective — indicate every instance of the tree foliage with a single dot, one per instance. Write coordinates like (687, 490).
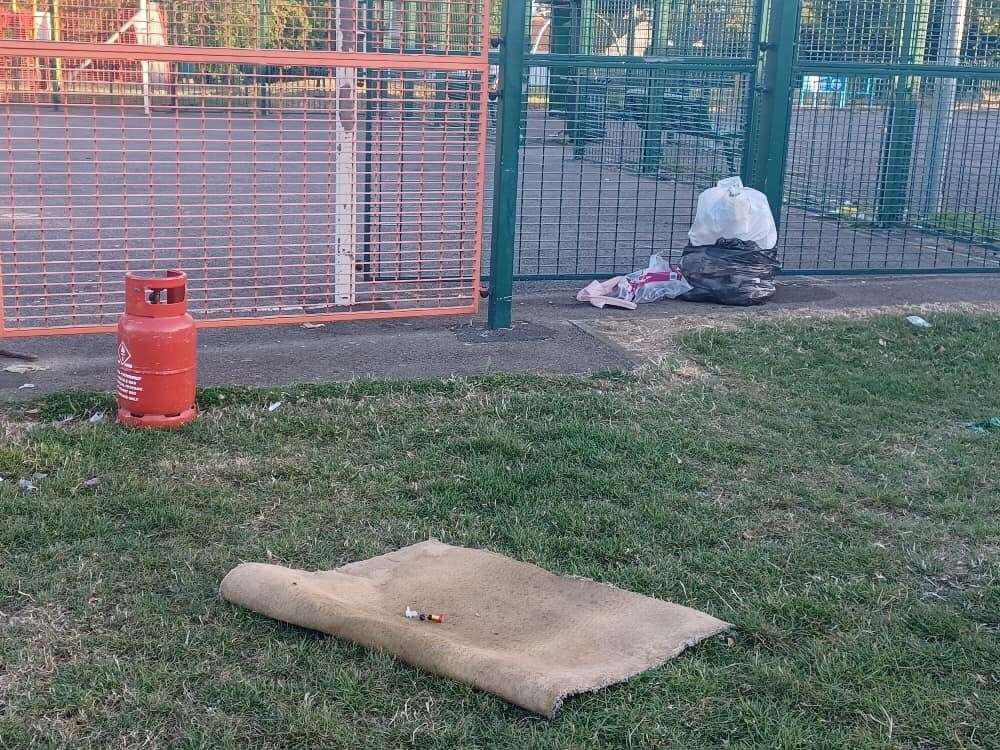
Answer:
(852, 30)
(242, 24)
(872, 30)
(292, 24)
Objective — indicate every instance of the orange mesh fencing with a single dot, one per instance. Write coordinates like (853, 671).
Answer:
(301, 161)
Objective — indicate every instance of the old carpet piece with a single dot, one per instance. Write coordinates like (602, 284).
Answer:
(512, 629)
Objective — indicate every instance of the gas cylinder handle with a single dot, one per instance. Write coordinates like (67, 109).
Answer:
(172, 280)
(142, 294)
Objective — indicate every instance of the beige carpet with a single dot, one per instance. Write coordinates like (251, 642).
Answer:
(515, 630)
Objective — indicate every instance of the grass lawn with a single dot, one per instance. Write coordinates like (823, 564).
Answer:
(819, 490)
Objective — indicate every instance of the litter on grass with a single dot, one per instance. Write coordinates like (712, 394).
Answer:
(87, 484)
(986, 426)
(917, 322)
(26, 485)
(412, 614)
(24, 369)
(275, 406)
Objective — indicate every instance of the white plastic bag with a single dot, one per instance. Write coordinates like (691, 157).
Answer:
(730, 211)
(658, 282)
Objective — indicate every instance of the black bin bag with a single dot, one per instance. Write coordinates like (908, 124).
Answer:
(730, 272)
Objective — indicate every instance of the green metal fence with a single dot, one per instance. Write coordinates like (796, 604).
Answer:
(872, 124)
(619, 133)
(899, 172)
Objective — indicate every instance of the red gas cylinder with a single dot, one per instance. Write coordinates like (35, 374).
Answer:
(157, 354)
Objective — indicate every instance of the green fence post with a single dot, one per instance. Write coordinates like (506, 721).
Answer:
(508, 154)
(580, 117)
(561, 42)
(896, 162)
(777, 79)
(748, 152)
(652, 133)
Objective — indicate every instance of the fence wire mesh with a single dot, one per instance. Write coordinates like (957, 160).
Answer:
(893, 154)
(618, 141)
(876, 184)
(211, 135)
(890, 158)
(297, 167)
(605, 182)
(945, 32)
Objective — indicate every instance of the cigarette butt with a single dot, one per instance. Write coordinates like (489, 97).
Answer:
(412, 614)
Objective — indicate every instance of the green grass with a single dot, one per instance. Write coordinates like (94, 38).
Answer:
(963, 224)
(822, 494)
(966, 226)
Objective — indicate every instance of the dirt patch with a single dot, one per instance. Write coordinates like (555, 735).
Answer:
(957, 565)
(36, 642)
(13, 430)
(656, 342)
(221, 467)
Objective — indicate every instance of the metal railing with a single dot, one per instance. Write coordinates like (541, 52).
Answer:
(297, 165)
(327, 159)
(871, 125)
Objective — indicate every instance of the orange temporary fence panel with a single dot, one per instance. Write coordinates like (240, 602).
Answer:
(326, 163)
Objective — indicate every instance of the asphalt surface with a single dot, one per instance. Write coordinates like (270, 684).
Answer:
(548, 338)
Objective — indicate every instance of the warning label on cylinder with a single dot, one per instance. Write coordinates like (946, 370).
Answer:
(129, 384)
(124, 356)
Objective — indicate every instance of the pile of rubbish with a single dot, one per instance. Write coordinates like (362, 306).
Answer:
(731, 259)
